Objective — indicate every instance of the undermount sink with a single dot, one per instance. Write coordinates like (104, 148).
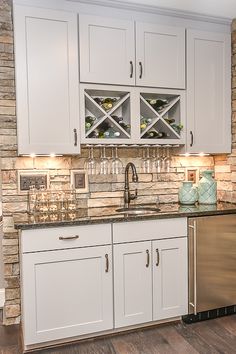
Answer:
(138, 210)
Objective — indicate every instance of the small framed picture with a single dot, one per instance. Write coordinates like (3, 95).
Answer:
(192, 174)
(79, 180)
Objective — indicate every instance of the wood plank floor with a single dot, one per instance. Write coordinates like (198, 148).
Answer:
(209, 337)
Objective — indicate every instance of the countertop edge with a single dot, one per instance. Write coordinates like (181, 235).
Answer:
(117, 219)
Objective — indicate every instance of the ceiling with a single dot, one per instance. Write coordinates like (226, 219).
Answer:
(219, 8)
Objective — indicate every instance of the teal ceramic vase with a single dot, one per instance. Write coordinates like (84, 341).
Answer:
(188, 194)
(207, 188)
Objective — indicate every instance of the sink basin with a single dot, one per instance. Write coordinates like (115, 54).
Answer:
(138, 210)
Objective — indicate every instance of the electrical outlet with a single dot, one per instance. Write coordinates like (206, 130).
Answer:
(27, 179)
(192, 174)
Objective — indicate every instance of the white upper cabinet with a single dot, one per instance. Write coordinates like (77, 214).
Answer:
(46, 52)
(208, 92)
(107, 53)
(160, 56)
(107, 50)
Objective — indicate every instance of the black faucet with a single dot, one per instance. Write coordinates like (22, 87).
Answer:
(127, 195)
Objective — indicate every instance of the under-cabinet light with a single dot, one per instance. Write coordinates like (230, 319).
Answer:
(200, 154)
(41, 155)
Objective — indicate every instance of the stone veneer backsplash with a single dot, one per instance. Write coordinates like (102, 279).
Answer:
(103, 190)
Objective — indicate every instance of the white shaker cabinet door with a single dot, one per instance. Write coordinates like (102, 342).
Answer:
(160, 56)
(208, 92)
(46, 54)
(107, 50)
(66, 293)
(132, 283)
(170, 278)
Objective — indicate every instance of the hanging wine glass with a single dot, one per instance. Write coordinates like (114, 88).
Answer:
(158, 159)
(116, 163)
(90, 163)
(167, 160)
(104, 162)
(154, 158)
(146, 162)
(163, 157)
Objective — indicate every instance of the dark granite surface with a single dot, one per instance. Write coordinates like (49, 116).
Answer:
(109, 215)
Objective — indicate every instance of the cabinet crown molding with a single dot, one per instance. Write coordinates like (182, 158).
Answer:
(157, 10)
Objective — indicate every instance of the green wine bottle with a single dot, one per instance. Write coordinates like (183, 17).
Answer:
(157, 104)
(89, 121)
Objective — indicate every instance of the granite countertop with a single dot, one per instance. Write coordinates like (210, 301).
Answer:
(109, 215)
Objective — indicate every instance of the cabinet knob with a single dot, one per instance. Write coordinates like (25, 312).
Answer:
(75, 137)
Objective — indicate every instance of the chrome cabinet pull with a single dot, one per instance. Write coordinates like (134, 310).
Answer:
(75, 137)
(107, 263)
(191, 135)
(141, 70)
(69, 237)
(148, 258)
(158, 257)
(131, 69)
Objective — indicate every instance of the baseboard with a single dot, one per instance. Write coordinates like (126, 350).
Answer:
(2, 297)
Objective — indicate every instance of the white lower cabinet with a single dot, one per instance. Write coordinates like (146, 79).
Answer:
(170, 278)
(150, 281)
(78, 280)
(132, 283)
(67, 293)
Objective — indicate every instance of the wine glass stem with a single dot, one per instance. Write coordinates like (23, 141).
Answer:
(91, 152)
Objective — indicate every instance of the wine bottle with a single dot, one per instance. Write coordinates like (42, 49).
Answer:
(144, 122)
(94, 134)
(98, 100)
(157, 104)
(89, 121)
(121, 122)
(106, 103)
(177, 127)
(117, 119)
(111, 133)
(125, 126)
(153, 134)
(170, 120)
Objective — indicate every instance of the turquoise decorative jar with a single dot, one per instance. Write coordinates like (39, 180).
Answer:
(207, 188)
(188, 194)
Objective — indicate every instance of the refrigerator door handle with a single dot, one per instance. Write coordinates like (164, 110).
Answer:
(193, 228)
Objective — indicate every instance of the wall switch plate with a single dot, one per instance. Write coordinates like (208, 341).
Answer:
(29, 178)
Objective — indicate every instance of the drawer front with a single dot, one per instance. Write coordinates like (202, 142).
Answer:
(65, 237)
(149, 230)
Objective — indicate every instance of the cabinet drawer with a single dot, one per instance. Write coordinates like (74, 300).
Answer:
(65, 237)
(149, 230)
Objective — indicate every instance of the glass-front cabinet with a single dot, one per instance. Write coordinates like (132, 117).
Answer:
(126, 115)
